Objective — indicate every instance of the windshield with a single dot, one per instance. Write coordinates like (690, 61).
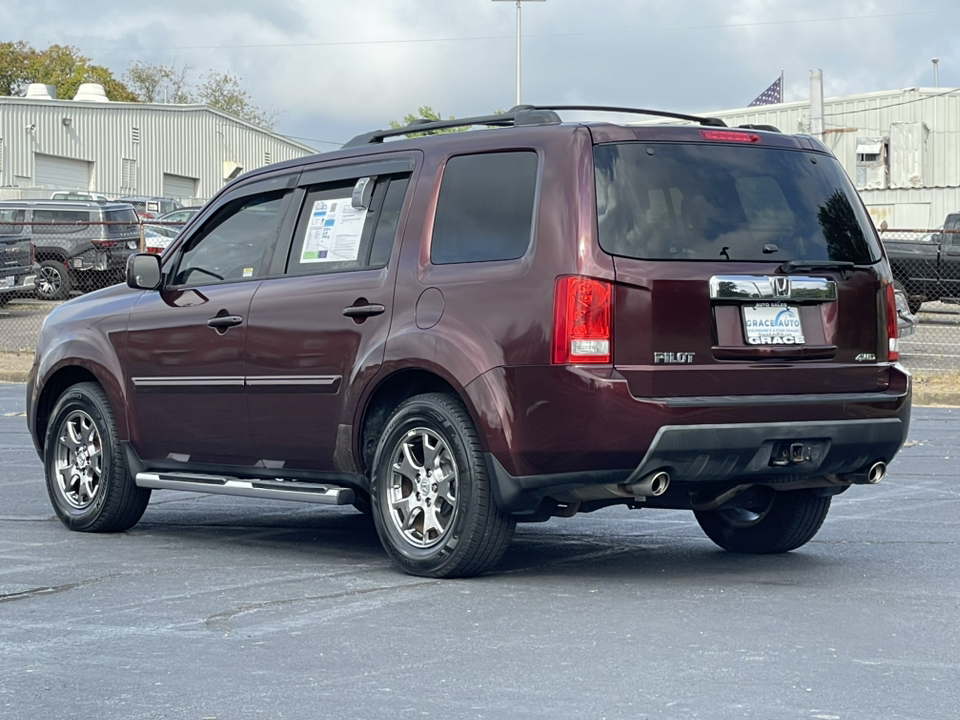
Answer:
(671, 201)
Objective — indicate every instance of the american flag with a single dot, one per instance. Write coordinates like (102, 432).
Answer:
(771, 96)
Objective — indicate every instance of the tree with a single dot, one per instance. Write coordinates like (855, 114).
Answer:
(159, 83)
(225, 92)
(425, 113)
(62, 66)
(13, 67)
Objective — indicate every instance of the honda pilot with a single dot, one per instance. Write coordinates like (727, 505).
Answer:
(456, 332)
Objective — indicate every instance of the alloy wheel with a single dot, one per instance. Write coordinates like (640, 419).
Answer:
(79, 460)
(422, 490)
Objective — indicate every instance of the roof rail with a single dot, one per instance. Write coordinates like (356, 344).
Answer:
(515, 117)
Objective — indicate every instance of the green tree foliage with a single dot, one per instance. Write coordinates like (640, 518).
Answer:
(425, 112)
(223, 91)
(159, 83)
(62, 66)
(66, 69)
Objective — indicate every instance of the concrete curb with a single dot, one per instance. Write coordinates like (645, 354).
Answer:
(11, 376)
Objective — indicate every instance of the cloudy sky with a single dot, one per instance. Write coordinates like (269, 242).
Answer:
(336, 68)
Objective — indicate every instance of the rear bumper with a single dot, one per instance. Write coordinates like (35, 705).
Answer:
(593, 432)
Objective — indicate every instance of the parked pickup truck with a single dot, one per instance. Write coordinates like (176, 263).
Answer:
(18, 271)
(928, 269)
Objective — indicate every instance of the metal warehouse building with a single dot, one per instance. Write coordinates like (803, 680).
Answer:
(901, 147)
(117, 149)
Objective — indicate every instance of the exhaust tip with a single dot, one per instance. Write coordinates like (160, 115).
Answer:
(659, 483)
(876, 473)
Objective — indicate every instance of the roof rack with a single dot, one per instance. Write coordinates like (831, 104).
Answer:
(516, 117)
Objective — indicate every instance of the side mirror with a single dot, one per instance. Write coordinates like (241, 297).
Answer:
(143, 271)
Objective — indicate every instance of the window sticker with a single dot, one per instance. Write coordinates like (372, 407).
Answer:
(334, 232)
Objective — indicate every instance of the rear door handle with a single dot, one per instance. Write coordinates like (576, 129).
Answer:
(222, 322)
(364, 310)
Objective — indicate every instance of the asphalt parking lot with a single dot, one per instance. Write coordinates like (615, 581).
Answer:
(218, 607)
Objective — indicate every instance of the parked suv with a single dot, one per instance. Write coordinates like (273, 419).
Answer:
(18, 271)
(459, 331)
(76, 243)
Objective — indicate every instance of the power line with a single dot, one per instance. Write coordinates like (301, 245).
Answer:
(350, 43)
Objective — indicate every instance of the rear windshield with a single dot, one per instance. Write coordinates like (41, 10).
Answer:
(668, 201)
(122, 222)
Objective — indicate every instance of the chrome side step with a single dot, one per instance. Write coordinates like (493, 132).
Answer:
(270, 489)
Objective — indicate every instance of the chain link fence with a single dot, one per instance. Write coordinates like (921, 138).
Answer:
(51, 259)
(56, 255)
(926, 271)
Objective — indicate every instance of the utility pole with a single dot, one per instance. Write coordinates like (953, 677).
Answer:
(519, 25)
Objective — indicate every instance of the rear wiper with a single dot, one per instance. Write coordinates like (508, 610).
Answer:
(845, 267)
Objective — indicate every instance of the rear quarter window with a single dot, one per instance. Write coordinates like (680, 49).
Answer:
(60, 222)
(485, 210)
(697, 201)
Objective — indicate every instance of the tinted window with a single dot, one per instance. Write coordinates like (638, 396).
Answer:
(9, 222)
(234, 245)
(710, 202)
(486, 206)
(333, 236)
(67, 221)
(121, 222)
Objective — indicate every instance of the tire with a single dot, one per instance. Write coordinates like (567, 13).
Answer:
(432, 526)
(88, 482)
(783, 522)
(913, 301)
(53, 281)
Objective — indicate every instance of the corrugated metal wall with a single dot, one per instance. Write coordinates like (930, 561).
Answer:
(187, 140)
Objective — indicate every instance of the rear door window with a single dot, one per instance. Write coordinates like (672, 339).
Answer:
(672, 201)
(333, 236)
(486, 206)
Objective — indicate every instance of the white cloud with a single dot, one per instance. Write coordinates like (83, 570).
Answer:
(458, 56)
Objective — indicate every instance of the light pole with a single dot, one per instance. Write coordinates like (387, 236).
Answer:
(519, 23)
(936, 74)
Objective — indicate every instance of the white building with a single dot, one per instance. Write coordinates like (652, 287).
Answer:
(901, 147)
(117, 149)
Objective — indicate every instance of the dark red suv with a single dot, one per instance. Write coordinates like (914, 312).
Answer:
(458, 331)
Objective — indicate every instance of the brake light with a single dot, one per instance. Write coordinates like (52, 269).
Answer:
(730, 136)
(105, 243)
(582, 320)
(893, 331)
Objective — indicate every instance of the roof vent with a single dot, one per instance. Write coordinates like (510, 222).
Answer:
(91, 92)
(39, 91)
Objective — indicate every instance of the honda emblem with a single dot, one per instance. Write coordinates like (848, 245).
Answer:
(781, 286)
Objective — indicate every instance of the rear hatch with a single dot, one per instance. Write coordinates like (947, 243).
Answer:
(15, 252)
(745, 265)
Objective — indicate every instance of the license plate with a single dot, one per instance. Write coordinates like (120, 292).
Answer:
(772, 324)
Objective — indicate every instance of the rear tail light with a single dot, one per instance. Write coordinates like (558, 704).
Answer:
(105, 243)
(582, 320)
(893, 332)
